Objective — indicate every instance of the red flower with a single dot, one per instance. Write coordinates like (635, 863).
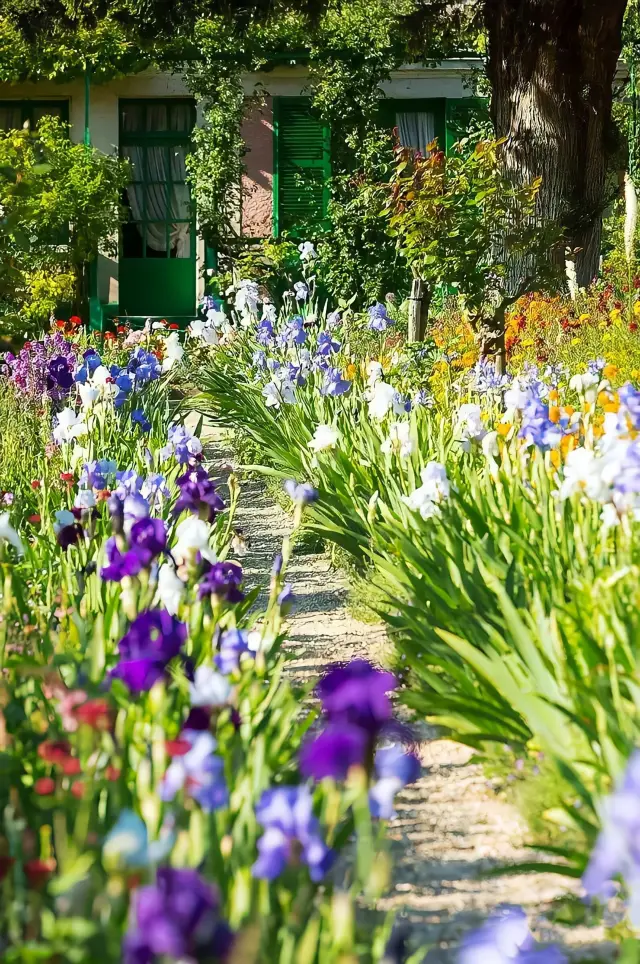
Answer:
(112, 773)
(39, 871)
(54, 751)
(95, 713)
(121, 329)
(71, 767)
(67, 476)
(36, 484)
(109, 336)
(103, 495)
(633, 326)
(45, 786)
(75, 321)
(34, 519)
(177, 747)
(61, 324)
(77, 789)
(174, 326)
(6, 863)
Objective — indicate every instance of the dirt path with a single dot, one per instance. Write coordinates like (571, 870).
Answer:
(451, 828)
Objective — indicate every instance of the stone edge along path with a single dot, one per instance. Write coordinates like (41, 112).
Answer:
(450, 828)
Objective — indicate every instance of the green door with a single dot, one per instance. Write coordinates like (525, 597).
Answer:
(157, 270)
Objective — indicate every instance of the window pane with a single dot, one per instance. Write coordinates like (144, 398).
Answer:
(10, 117)
(135, 156)
(156, 238)
(181, 117)
(157, 117)
(132, 117)
(156, 164)
(180, 202)
(46, 110)
(177, 155)
(180, 240)
(416, 129)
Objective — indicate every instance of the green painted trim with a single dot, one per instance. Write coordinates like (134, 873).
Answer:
(277, 103)
(480, 104)
(275, 184)
(87, 106)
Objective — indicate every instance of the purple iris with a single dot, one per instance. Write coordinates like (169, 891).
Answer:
(98, 474)
(357, 693)
(198, 494)
(326, 345)
(129, 483)
(185, 445)
(617, 849)
(537, 428)
(60, 373)
(505, 939)
(69, 535)
(394, 769)
(334, 320)
(628, 478)
(222, 579)
(334, 751)
(200, 771)
(334, 384)
(379, 319)
(264, 333)
(294, 332)
(630, 399)
(300, 492)
(144, 366)
(177, 918)
(139, 418)
(153, 640)
(259, 359)
(147, 540)
(286, 596)
(232, 645)
(292, 834)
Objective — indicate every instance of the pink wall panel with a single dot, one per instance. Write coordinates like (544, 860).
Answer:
(257, 183)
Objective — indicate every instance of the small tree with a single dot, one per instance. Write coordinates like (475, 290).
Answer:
(60, 207)
(462, 224)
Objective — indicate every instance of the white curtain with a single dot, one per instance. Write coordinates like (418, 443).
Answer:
(160, 207)
(416, 130)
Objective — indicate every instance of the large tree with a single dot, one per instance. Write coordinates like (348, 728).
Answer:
(552, 65)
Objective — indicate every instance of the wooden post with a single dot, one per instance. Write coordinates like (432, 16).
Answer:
(415, 332)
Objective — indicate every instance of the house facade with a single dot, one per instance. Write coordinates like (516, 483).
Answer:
(148, 118)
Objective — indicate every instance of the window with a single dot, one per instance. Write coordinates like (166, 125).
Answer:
(418, 121)
(416, 129)
(154, 137)
(302, 167)
(14, 114)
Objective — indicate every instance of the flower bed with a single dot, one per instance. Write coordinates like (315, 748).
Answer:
(499, 526)
(167, 793)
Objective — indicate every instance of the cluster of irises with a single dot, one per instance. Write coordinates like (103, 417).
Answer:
(495, 488)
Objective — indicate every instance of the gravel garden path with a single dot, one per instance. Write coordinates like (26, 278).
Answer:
(451, 827)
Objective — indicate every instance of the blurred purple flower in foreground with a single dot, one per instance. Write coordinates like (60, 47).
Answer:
(177, 918)
(292, 834)
(505, 939)
(617, 850)
(153, 640)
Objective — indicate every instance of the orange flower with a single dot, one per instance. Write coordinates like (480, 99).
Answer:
(554, 413)
(609, 371)
(503, 428)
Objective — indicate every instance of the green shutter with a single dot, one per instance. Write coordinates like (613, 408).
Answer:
(302, 168)
(464, 116)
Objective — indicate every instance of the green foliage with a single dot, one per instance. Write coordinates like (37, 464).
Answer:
(357, 254)
(460, 222)
(61, 204)
(24, 432)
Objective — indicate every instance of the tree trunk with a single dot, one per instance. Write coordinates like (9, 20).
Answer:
(552, 65)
